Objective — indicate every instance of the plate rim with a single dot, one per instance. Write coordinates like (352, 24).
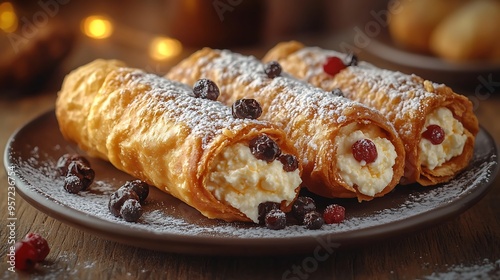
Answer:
(190, 244)
(385, 48)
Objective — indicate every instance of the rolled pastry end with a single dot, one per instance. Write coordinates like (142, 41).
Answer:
(443, 140)
(365, 159)
(240, 179)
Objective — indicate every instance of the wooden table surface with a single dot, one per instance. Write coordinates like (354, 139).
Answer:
(464, 246)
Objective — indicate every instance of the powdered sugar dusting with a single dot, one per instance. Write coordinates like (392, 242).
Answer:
(405, 92)
(399, 87)
(176, 101)
(299, 96)
(172, 217)
(292, 104)
(485, 270)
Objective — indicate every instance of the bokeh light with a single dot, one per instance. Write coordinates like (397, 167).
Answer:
(8, 17)
(162, 48)
(97, 27)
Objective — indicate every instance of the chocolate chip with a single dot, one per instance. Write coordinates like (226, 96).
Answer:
(337, 92)
(246, 109)
(290, 162)
(313, 220)
(264, 208)
(73, 184)
(119, 197)
(205, 88)
(264, 148)
(78, 177)
(302, 206)
(64, 161)
(275, 219)
(352, 59)
(139, 187)
(272, 69)
(131, 210)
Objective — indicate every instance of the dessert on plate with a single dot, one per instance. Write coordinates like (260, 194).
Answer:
(437, 126)
(346, 149)
(178, 139)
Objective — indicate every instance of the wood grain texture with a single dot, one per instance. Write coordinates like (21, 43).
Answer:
(470, 240)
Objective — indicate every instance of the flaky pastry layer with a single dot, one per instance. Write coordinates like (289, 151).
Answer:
(156, 130)
(406, 100)
(311, 117)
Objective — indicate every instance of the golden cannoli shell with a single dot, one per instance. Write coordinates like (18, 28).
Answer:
(154, 130)
(405, 100)
(311, 117)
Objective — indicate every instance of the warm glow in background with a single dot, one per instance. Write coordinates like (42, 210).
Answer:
(97, 27)
(8, 18)
(162, 48)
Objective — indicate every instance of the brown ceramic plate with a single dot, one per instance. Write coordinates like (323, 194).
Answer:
(478, 76)
(170, 225)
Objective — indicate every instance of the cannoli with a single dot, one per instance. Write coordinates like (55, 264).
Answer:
(438, 127)
(193, 148)
(347, 149)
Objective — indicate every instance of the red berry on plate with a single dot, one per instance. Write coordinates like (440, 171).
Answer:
(334, 214)
(364, 150)
(26, 255)
(434, 133)
(39, 244)
(333, 65)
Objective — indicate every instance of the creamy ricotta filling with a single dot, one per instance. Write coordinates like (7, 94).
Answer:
(241, 180)
(432, 156)
(370, 178)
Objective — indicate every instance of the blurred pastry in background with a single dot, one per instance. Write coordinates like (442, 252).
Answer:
(412, 25)
(470, 33)
(455, 30)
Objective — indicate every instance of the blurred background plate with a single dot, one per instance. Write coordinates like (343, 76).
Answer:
(474, 75)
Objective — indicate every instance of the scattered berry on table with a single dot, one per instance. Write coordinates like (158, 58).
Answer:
(41, 246)
(30, 250)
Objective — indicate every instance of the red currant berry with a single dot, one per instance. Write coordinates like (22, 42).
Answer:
(334, 214)
(39, 243)
(364, 149)
(434, 133)
(333, 65)
(26, 255)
